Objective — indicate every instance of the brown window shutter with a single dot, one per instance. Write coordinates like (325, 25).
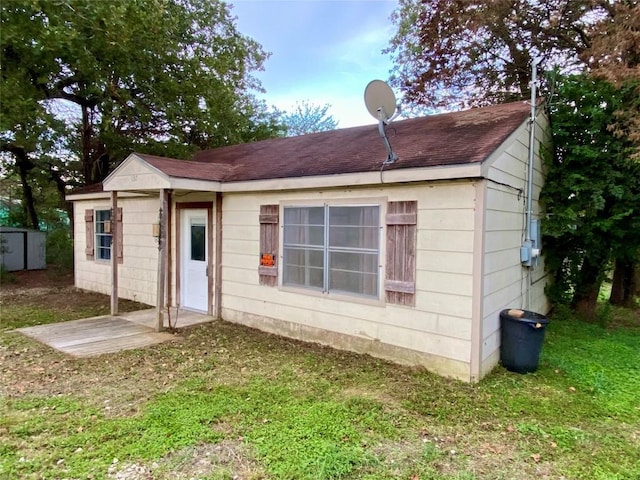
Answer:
(268, 267)
(400, 277)
(119, 236)
(89, 234)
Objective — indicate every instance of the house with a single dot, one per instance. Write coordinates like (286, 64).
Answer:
(317, 238)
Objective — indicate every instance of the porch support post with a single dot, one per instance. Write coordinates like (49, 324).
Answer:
(162, 264)
(169, 250)
(114, 252)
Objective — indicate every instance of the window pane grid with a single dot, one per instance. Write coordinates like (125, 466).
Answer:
(343, 257)
(357, 250)
(103, 240)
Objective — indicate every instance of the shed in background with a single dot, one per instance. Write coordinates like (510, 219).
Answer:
(22, 249)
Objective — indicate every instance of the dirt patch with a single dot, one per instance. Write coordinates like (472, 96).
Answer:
(52, 277)
(227, 459)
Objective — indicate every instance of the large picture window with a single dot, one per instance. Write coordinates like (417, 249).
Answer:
(103, 234)
(333, 248)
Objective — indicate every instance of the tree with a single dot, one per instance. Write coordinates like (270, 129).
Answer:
(592, 191)
(614, 55)
(459, 53)
(158, 76)
(307, 118)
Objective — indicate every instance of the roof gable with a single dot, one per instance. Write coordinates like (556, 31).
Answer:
(135, 173)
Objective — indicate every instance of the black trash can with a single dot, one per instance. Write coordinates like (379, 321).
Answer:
(522, 334)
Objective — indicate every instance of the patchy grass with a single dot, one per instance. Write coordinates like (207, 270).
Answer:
(229, 402)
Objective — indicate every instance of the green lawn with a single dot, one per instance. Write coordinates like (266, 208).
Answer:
(224, 402)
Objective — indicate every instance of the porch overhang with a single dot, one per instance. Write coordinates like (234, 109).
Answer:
(134, 174)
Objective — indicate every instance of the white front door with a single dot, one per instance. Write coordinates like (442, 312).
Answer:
(194, 282)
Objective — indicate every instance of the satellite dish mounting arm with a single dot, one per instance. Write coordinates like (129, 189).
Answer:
(382, 122)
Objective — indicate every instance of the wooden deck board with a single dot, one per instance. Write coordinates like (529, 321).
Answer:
(117, 344)
(107, 334)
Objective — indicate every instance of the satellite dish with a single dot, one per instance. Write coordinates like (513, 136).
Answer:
(380, 100)
(381, 103)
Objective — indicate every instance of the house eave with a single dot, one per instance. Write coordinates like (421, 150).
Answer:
(100, 195)
(173, 183)
(406, 175)
(448, 172)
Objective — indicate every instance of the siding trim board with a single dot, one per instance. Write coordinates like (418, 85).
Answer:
(475, 366)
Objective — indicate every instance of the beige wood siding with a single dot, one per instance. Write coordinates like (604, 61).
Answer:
(434, 332)
(505, 280)
(137, 273)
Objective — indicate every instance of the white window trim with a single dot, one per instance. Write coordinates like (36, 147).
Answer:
(381, 204)
(97, 235)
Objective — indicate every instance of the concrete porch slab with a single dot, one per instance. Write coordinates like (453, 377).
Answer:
(94, 336)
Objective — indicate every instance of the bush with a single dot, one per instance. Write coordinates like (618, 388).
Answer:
(60, 248)
(6, 276)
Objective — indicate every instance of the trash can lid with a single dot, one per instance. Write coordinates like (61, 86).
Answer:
(524, 316)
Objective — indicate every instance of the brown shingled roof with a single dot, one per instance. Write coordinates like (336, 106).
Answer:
(468, 136)
(95, 188)
(188, 169)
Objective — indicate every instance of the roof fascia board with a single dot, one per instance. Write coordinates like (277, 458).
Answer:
(522, 129)
(101, 195)
(449, 172)
(195, 185)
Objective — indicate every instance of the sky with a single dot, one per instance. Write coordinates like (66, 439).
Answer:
(322, 51)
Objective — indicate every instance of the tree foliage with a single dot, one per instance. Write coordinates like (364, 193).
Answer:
(451, 53)
(592, 192)
(96, 80)
(614, 55)
(307, 118)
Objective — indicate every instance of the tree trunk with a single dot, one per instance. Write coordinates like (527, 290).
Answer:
(61, 187)
(585, 297)
(85, 139)
(635, 282)
(621, 287)
(95, 157)
(24, 165)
